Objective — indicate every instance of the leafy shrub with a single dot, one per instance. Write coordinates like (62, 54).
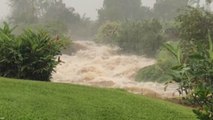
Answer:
(171, 32)
(194, 56)
(158, 72)
(9, 55)
(52, 30)
(195, 76)
(194, 26)
(143, 37)
(108, 33)
(32, 55)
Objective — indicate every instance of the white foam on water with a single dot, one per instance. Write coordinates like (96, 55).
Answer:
(102, 66)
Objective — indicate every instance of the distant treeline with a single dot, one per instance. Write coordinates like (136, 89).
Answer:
(55, 16)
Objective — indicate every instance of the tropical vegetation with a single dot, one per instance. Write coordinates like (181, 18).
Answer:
(31, 55)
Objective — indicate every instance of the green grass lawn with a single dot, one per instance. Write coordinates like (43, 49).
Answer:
(27, 100)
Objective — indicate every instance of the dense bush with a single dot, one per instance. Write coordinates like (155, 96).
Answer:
(195, 76)
(8, 52)
(108, 33)
(32, 55)
(158, 72)
(143, 37)
(171, 32)
(194, 26)
(194, 68)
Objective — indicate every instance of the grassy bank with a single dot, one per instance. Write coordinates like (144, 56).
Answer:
(27, 100)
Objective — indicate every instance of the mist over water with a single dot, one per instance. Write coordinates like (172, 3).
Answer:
(102, 66)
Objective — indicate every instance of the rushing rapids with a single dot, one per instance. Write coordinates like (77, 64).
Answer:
(102, 66)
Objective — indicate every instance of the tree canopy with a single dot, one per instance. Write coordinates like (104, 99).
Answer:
(118, 10)
(53, 13)
(168, 9)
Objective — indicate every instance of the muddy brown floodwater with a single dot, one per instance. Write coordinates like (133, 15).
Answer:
(102, 66)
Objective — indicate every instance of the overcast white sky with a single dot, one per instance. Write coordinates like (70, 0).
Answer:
(4, 8)
(88, 7)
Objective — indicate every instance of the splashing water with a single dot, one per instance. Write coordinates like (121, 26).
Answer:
(102, 66)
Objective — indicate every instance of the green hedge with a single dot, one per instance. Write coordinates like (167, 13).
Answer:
(158, 72)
